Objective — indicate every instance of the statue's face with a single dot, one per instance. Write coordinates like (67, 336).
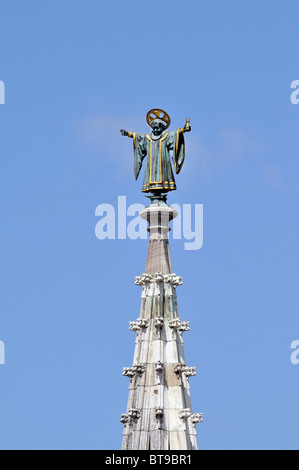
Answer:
(157, 128)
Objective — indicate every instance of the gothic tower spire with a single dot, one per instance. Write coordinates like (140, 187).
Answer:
(159, 413)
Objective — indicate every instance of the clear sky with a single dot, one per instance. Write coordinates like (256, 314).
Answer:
(75, 72)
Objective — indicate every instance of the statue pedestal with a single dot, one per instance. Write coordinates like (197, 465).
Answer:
(158, 257)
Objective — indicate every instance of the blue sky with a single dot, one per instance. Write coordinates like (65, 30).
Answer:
(75, 72)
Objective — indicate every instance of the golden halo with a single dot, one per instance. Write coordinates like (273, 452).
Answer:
(157, 113)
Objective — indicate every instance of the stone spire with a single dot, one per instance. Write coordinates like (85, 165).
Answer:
(159, 414)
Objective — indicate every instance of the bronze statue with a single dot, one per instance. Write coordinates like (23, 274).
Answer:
(160, 147)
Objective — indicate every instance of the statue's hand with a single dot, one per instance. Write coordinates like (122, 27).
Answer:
(123, 132)
(187, 129)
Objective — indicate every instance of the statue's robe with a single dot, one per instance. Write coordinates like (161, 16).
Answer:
(158, 174)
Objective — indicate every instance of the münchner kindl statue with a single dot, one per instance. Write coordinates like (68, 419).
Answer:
(160, 147)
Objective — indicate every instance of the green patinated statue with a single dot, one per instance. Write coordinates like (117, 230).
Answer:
(160, 147)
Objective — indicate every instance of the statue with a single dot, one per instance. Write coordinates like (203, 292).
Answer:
(160, 147)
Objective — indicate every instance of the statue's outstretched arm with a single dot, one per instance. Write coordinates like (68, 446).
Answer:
(126, 133)
(187, 127)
